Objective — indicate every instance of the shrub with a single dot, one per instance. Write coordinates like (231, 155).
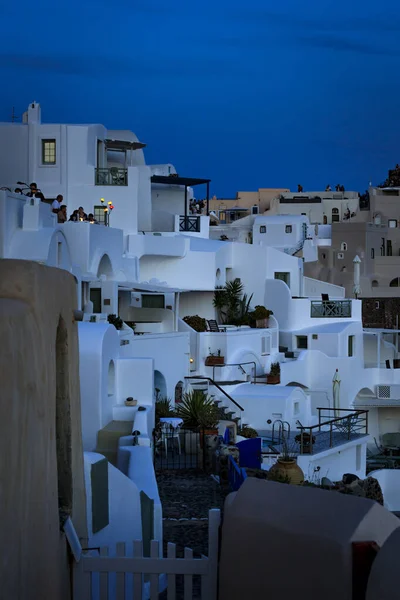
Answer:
(198, 411)
(116, 321)
(195, 322)
(275, 369)
(247, 432)
(260, 313)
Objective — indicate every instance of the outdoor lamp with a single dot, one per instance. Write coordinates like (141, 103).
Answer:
(191, 360)
(102, 200)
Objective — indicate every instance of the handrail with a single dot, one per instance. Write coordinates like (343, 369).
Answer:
(252, 362)
(218, 387)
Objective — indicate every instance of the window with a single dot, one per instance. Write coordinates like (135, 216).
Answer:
(335, 215)
(48, 152)
(324, 256)
(358, 457)
(340, 255)
(254, 210)
(375, 283)
(350, 343)
(302, 342)
(392, 223)
(99, 214)
(372, 252)
(283, 277)
(296, 408)
(263, 229)
(394, 282)
(95, 297)
(288, 229)
(314, 336)
(343, 246)
(153, 301)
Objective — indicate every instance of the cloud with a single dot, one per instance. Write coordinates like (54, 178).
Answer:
(109, 67)
(343, 44)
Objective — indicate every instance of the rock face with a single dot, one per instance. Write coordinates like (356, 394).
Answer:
(365, 488)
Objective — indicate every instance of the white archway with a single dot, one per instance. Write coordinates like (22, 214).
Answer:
(160, 385)
(105, 267)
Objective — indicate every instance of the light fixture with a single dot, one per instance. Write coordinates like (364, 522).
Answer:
(191, 360)
(102, 200)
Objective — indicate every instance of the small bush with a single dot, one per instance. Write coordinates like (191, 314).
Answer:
(247, 432)
(195, 322)
(116, 321)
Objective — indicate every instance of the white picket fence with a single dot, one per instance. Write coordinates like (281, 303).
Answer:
(93, 579)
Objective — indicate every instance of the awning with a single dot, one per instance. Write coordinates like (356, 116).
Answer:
(149, 287)
(123, 145)
(176, 180)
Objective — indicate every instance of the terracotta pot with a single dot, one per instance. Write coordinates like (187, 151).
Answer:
(262, 323)
(287, 470)
(207, 432)
(273, 379)
(212, 361)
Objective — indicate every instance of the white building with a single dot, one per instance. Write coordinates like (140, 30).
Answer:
(155, 265)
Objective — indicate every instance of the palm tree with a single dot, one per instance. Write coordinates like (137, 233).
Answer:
(232, 306)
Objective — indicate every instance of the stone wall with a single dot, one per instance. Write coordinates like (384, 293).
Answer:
(41, 470)
(380, 312)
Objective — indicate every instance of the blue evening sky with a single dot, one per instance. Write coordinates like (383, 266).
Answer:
(250, 94)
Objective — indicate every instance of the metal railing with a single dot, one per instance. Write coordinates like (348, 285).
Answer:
(111, 176)
(200, 377)
(329, 433)
(330, 308)
(189, 223)
(240, 365)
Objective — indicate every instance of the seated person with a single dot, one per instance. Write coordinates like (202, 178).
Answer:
(91, 218)
(17, 191)
(74, 216)
(82, 216)
(62, 214)
(57, 203)
(34, 192)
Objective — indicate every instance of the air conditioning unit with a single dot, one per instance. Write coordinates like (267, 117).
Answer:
(136, 299)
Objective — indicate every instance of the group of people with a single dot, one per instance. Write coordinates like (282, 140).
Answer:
(338, 188)
(57, 206)
(196, 207)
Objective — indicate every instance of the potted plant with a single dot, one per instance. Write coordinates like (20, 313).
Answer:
(286, 469)
(195, 322)
(261, 316)
(116, 321)
(306, 441)
(274, 375)
(213, 360)
(130, 401)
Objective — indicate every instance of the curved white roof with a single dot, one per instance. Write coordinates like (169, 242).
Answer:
(266, 391)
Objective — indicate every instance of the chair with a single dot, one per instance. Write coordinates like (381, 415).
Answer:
(168, 432)
(214, 327)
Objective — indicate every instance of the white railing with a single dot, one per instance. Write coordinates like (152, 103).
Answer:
(123, 568)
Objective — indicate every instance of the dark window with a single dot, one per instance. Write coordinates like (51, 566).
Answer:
(263, 229)
(95, 297)
(283, 277)
(372, 253)
(350, 345)
(254, 210)
(314, 336)
(288, 229)
(153, 301)
(302, 342)
(49, 152)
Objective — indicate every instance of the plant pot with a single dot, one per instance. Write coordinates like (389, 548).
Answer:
(262, 323)
(212, 361)
(205, 433)
(273, 379)
(288, 471)
(130, 402)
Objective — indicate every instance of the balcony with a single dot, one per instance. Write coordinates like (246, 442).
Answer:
(189, 223)
(325, 309)
(112, 176)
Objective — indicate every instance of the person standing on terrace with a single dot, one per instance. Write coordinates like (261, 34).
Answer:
(35, 193)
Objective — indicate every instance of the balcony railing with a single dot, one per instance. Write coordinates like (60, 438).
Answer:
(112, 176)
(189, 224)
(325, 309)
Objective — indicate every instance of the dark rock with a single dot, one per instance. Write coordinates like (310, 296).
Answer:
(349, 478)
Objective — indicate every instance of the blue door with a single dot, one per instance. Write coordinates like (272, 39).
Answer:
(250, 453)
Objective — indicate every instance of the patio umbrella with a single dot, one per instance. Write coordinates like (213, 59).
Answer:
(336, 392)
(356, 285)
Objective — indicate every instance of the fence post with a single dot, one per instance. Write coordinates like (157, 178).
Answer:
(211, 584)
(81, 581)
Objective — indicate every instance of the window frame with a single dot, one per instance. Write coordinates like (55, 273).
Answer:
(350, 346)
(263, 229)
(288, 228)
(46, 162)
(302, 338)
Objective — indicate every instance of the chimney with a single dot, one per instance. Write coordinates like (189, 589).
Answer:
(34, 115)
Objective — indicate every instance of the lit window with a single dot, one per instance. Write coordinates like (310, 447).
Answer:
(49, 152)
(288, 229)
(392, 223)
(263, 229)
(343, 246)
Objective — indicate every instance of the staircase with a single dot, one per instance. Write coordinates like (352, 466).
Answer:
(108, 438)
(229, 409)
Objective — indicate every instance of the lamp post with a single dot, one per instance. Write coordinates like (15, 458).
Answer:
(107, 210)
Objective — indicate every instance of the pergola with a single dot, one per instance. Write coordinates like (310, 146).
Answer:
(186, 182)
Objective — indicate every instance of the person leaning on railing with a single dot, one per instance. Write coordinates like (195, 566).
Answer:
(35, 192)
